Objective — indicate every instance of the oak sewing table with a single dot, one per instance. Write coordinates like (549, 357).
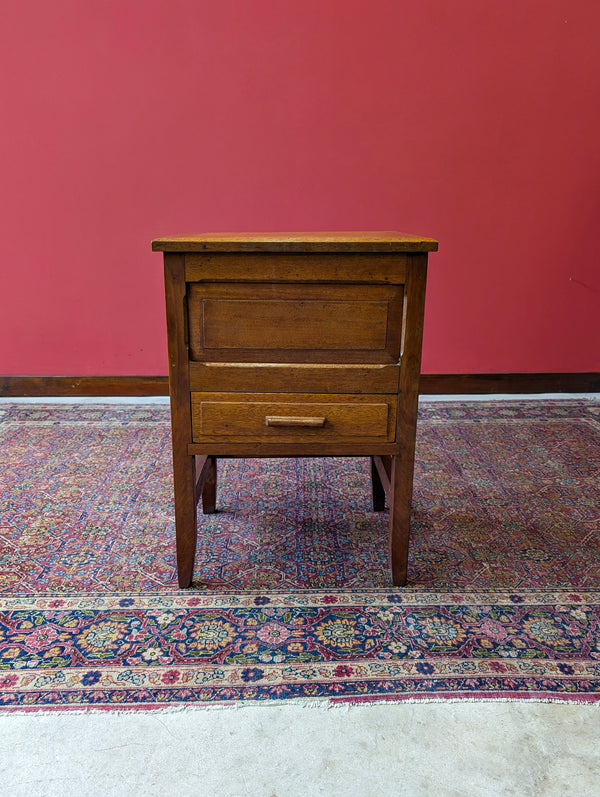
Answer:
(294, 345)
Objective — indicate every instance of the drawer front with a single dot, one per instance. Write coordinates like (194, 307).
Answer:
(292, 417)
(294, 323)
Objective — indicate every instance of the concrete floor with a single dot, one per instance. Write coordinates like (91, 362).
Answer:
(286, 750)
(165, 399)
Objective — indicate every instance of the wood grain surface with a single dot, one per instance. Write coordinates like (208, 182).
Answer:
(290, 242)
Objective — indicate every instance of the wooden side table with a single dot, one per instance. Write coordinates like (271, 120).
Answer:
(294, 345)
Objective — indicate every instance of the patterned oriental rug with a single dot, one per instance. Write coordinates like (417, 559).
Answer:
(292, 596)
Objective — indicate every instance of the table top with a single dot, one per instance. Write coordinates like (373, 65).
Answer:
(297, 242)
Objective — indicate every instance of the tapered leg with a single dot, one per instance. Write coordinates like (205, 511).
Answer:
(184, 473)
(209, 490)
(184, 465)
(401, 481)
(378, 488)
(401, 470)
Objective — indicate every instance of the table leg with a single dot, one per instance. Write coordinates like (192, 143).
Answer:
(184, 480)
(209, 490)
(400, 498)
(378, 488)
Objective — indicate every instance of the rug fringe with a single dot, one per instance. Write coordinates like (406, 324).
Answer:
(325, 704)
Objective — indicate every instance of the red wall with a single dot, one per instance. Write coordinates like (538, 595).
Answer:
(474, 122)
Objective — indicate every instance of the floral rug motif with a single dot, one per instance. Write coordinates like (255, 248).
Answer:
(292, 596)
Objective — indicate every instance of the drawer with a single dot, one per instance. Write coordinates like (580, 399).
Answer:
(310, 323)
(292, 417)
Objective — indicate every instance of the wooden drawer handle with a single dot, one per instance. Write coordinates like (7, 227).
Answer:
(293, 420)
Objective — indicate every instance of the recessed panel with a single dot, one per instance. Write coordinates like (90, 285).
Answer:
(294, 323)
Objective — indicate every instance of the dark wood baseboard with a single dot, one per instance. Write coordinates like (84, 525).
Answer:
(431, 384)
(444, 384)
(25, 386)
